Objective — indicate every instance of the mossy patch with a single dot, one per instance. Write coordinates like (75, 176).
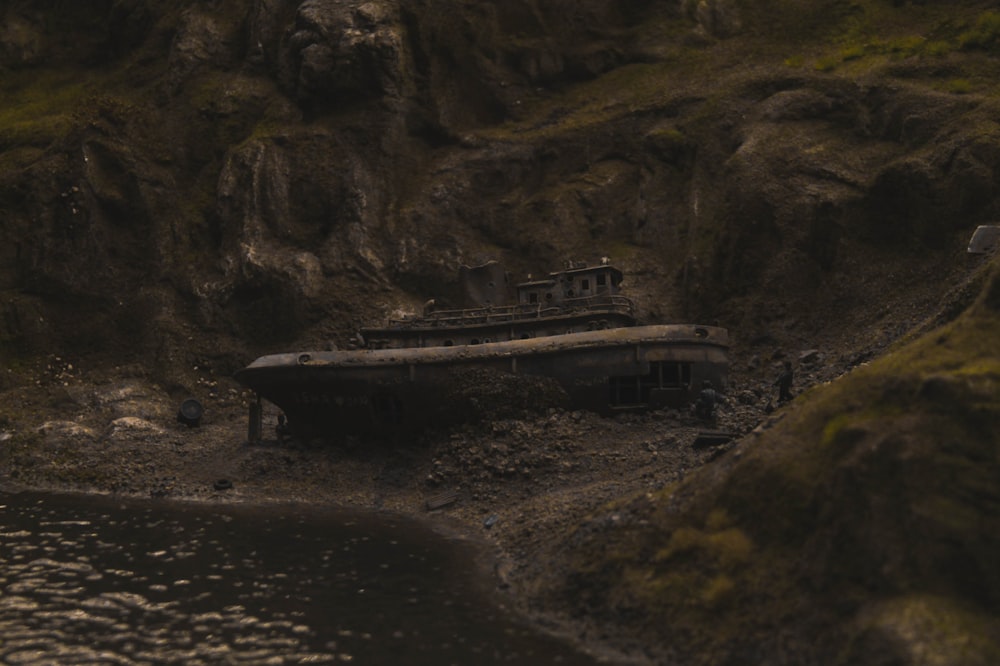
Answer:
(984, 34)
(926, 629)
(39, 106)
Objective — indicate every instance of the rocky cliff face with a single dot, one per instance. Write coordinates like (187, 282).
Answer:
(277, 172)
(238, 164)
(272, 172)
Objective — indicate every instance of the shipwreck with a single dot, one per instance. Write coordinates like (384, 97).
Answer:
(574, 329)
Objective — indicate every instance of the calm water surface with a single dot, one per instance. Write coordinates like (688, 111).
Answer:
(91, 580)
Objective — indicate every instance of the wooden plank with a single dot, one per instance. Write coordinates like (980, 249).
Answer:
(441, 500)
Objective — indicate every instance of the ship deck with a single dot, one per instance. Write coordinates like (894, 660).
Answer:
(636, 335)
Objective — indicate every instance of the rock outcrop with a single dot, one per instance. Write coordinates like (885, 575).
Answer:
(338, 160)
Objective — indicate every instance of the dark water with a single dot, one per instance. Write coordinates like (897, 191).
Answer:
(88, 580)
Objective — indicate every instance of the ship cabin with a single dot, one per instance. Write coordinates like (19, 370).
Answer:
(578, 299)
(594, 284)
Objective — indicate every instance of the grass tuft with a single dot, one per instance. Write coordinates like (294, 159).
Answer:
(984, 35)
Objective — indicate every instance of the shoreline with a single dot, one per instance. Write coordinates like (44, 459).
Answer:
(513, 484)
(486, 556)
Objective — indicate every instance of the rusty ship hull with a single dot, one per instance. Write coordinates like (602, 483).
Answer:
(368, 391)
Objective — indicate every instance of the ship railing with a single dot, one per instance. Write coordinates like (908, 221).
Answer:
(604, 304)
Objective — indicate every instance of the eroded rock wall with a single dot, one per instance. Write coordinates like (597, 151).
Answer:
(243, 176)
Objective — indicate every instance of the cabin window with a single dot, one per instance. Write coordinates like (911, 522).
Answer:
(584, 285)
(533, 297)
(569, 293)
(602, 279)
(673, 374)
(634, 390)
(548, 296)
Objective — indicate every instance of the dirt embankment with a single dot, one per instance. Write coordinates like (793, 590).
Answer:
(122, 435)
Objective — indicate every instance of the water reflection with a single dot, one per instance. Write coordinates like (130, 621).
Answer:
(96, 580)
